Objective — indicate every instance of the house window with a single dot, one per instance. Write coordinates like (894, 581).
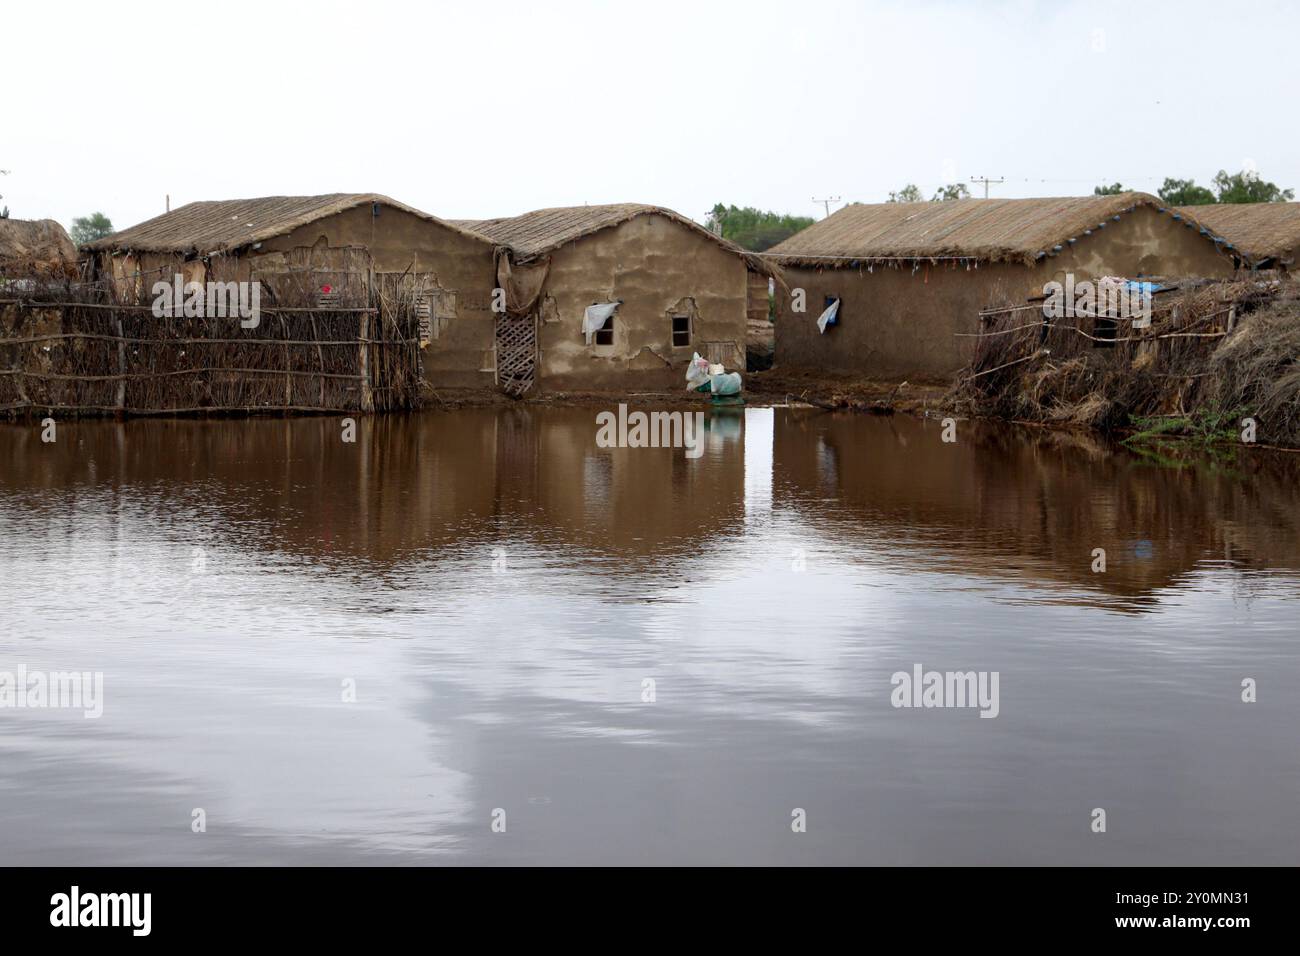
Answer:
(832, 309)
(605, 334)
(1104, 330)
(681, 331)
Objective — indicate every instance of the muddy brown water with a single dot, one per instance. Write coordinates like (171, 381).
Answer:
(496, 591)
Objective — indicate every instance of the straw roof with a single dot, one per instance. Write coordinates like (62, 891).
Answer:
(993, 230)
(227, 224)
(541, 231)
(36, 245)
(1263, 230)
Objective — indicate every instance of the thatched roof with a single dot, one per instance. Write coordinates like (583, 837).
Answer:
(992, 230)
(38, 246)
(1263, 230)
(227, 224)
(536, 233)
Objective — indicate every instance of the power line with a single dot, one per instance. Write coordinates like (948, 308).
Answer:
(985, 180)
(827, 203)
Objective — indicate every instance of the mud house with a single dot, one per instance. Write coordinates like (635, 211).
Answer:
(1266, 233)
(37, 247)
(909, 279)
(617, 297)
(342, 246)
(336, 295)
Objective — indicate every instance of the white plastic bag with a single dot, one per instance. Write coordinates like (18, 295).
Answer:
(828, 316)
(697, 373)
(727, 383)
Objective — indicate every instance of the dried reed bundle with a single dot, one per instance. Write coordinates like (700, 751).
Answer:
(1231, 345)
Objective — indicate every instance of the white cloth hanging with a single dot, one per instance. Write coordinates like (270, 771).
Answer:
(594, 319)
(828, 316)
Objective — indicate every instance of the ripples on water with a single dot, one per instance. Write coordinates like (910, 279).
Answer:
(498, 588)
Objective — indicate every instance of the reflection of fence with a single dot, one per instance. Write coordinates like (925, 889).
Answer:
(71, 347)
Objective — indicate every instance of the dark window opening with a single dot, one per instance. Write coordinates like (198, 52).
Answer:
(605, 334)
(824, 321)
(681, 331)
(1104, 330)
(839, 311)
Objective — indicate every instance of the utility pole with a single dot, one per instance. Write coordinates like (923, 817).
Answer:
(985, 180)
(827, 203)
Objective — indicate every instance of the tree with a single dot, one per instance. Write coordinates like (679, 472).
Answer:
(89, 228)
(1184, 192)
(754, 229)
(955, 191)
(1114, 189)
(908, 193)
(1246, 186)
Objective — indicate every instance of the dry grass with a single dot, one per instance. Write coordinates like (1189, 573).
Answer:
(1259, 368)
(1187, 364)
(38, 248)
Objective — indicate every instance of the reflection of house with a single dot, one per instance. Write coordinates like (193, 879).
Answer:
(1005, 503)
(446, 489)
(636, 500)
(679, 288)
(331, 246)
(1267, 232)
(911, 278)
(421, 488)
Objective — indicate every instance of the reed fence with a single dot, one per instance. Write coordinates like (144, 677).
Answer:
(100, 348)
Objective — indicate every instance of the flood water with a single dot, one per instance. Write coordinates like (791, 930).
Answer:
(361, 652)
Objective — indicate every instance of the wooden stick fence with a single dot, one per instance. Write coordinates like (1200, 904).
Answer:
(69, 347)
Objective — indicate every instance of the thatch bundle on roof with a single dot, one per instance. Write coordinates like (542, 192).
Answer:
(534, 234)
(38, 247)
(1263, 230)
(224, 225)
(988, 230)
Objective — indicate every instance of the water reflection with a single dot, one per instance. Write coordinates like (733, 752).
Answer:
(498, 590)
(1034, 505)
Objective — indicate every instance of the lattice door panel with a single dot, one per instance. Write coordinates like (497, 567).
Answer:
(516, 339)
(727, 354)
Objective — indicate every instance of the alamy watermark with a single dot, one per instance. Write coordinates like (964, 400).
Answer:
(921, 688)
(127, 910)
(651, 430)
(208, 300)
(58, 690)
(1107, 298)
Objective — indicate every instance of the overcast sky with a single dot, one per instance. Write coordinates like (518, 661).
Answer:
(477, 109)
